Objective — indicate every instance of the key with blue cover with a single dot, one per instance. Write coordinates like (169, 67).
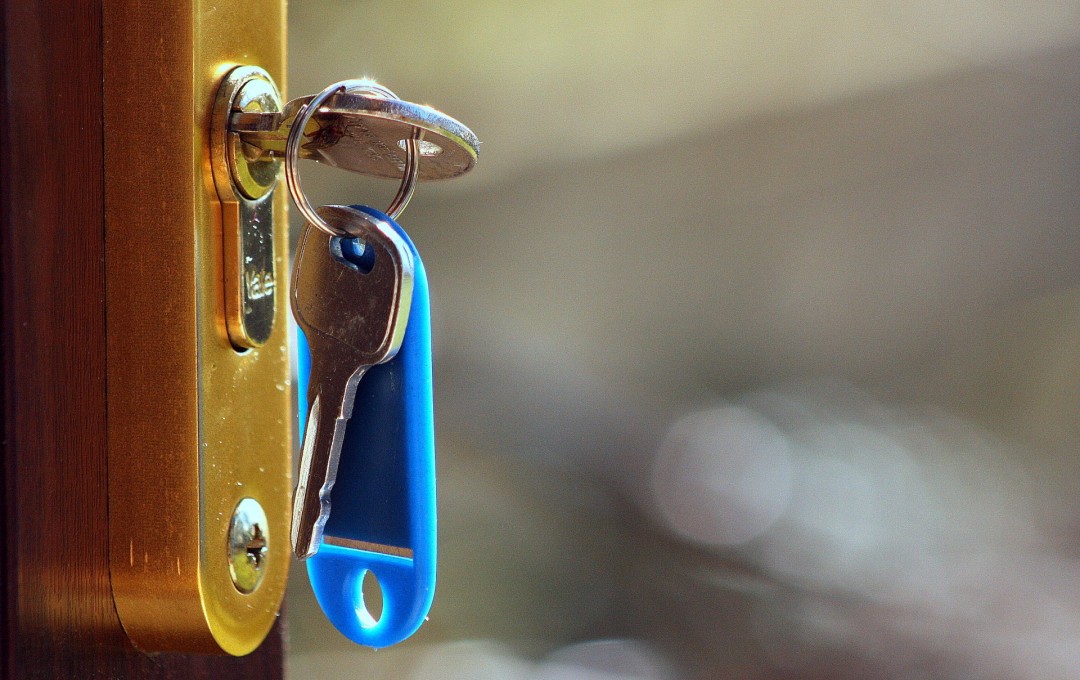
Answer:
(382, 505)
(353, 306)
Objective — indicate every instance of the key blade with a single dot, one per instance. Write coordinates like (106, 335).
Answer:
(332, 393)
(305, 530)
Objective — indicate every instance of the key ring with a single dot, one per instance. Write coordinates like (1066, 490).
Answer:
(411, 168)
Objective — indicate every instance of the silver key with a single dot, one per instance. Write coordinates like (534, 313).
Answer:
(365, 134)
(352, 320)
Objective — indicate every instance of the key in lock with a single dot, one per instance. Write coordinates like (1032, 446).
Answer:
(358, 126)
(363, 128)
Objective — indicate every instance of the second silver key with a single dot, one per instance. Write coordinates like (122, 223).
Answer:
(353, 312)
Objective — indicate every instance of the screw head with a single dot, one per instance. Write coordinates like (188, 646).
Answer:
(249, 544)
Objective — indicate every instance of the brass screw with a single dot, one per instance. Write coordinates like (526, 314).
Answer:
(248, 545)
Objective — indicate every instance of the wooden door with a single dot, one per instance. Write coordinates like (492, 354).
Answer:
(59, 619)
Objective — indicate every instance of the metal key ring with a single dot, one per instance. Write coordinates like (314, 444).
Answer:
(292, 154)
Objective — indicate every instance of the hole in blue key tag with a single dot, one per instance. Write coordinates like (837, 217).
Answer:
(380, 535)
(352, 252)
(370, 608)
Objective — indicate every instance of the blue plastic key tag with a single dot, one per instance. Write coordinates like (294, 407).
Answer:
(382, 506)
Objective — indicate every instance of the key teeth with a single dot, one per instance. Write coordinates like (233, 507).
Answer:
(308, 527)
(301, 548)
(315, 539)
(311, 546)
(319, 528)
(303, 552)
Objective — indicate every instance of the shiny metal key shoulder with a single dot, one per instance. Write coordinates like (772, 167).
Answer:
(353, 315)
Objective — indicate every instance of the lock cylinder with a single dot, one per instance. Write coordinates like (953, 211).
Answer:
(245, 185)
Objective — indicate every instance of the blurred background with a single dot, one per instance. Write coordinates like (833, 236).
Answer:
(757, 336)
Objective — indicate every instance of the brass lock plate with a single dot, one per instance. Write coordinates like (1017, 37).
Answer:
(198, 422)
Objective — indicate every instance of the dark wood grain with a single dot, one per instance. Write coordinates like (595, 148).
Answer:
(59, 620)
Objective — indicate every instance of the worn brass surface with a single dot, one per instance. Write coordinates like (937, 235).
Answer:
(193, 425)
